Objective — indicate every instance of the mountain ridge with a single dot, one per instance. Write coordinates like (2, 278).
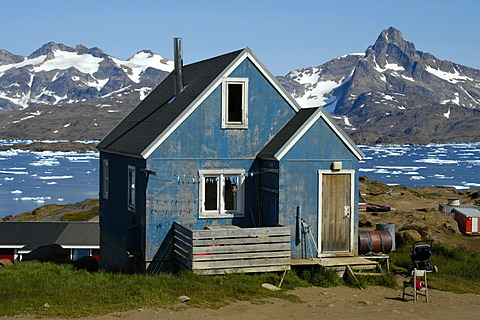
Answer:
(392, 93)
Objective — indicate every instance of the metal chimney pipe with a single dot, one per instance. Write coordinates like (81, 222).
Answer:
(178, 65)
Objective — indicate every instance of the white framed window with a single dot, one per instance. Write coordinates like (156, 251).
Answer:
(222, 193)
(105, 179)
(234, 103)
(131, 188)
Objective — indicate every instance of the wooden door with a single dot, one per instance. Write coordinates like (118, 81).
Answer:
(336, 213)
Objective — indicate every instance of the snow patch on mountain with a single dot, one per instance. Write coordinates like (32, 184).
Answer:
(137, 64)
(454, 77)
(63, 60)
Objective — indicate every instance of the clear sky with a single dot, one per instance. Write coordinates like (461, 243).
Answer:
(284, 35)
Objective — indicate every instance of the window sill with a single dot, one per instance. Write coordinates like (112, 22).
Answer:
(235, 126)
(221, 215)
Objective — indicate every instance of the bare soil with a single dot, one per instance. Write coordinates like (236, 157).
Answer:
(325, 303)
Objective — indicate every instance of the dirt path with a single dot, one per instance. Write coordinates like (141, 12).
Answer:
(324, 303)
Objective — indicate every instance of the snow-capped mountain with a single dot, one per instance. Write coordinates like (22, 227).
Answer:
(391, 93)
(394, 93)
(58, 74)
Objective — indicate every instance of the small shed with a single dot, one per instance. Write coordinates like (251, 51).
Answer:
(468, 220)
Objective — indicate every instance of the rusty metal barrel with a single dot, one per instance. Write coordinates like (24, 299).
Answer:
(374, 241)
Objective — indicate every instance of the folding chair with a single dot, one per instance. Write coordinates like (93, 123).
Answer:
(419, 288)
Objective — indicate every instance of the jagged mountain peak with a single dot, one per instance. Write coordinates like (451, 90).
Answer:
(391, 35)
(393, 86)
(59, 74)
(390, 43)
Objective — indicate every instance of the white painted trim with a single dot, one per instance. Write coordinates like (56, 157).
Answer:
(474, 224)
(192, 107)
(12, 246)
(221, 213)
(304, 128)
(93, 247)
(320, 202)
(206, 93)
(297, 135)
(234, 125)
(246, 53)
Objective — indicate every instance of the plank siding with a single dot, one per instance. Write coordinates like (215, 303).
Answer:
(228, 250)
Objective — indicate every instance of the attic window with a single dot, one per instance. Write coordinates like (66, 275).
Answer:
(235, 103)
(221, 193)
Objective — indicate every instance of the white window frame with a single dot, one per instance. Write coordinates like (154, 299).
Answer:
(131, 192)
(105, 178)
(243, 124)
(221, 212)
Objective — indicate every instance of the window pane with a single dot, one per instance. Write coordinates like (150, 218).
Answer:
(131, 187)
(211, 197)
(235, 101)
(231, 193)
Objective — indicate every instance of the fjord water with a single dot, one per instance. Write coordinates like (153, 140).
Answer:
(454, 165)
(32, 179)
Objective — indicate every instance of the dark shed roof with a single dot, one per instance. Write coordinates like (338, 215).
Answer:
(33, 234)
(282, 137)
(157, 111)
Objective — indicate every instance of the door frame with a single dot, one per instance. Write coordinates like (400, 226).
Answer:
(351, 172)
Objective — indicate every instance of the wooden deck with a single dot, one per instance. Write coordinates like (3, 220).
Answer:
(232, 250)
(334, 262)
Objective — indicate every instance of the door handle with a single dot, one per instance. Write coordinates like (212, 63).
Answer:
(346, 212)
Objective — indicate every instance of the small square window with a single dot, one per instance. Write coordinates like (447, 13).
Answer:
(235, 103)
(221, 193)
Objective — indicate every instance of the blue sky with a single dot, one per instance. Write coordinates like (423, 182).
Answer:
(284, 35)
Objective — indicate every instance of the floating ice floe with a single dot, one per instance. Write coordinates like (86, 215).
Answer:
(13, 172)
(16, 191)
(441, 176)
(45, 163)
(34, 199)
(55, 177)
(417, 178)
(437, 161)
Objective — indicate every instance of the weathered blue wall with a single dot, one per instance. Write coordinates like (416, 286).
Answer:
(200, 143)
(298, 176)
(115, 219)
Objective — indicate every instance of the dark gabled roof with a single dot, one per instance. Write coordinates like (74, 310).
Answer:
(33, 234)
(157, 112)
(287, 132)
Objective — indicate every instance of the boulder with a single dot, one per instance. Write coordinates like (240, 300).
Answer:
(5, 262)
(364, 220)
(422, 228)
(407, 236)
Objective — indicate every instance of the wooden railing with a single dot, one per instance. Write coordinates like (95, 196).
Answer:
(232, 250)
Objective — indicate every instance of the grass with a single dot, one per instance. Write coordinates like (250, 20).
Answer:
(81, 216)
(323, 277)
(49, 290)
(459, 267)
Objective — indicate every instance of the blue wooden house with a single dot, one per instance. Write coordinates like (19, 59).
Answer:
(220, 146)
